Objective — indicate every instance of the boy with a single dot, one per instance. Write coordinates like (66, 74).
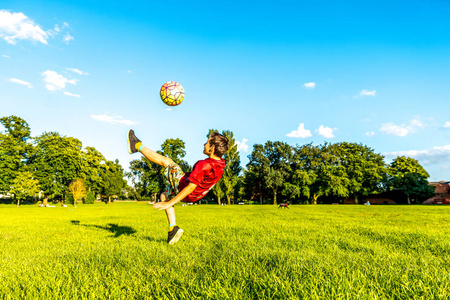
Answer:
(189, 187)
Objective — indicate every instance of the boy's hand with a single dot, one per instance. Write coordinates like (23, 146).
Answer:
(180, 196)
(162, 205)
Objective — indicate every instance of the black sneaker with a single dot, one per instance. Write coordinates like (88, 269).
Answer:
(132, 141)
(174, 235)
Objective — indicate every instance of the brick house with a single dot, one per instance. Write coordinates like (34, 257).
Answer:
(442, 193)
(389, 197)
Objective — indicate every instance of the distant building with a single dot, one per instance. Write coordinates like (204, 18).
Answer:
(390, 197)
(5, 195)
(442, 192)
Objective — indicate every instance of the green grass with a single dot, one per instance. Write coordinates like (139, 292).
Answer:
(119, 251)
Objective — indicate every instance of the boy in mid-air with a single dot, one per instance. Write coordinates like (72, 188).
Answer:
(189, 187)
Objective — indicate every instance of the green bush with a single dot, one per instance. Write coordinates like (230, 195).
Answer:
(69, 199)
(147, 198)
(90, 198)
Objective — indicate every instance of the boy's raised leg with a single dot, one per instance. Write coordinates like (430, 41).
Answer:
(156, 157)
(133, 142)
(135, 145)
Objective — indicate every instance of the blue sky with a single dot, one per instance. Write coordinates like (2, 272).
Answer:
(371, 72)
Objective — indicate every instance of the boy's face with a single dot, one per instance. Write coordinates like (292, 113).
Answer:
(207, 148)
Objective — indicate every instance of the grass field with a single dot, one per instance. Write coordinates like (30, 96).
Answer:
(119, 251)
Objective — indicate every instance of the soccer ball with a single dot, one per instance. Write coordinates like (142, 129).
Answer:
(172, 93)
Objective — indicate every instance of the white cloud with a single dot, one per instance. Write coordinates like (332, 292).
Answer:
(17, 26)
(447, 124)
(18, 81)
(5, 56)
(113, 119)
(301, 132)
(67, 38)
(370, 133)
(242, 145)
(435, 155)
(55, 81)
(403, 129)
(417, 122)
(72, 95)
(367, 93)
(309, 85)
(78, 71)
(398, 130)
(326, 132)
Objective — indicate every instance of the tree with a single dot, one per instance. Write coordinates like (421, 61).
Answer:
(279, 170)
(10, 162)
(240, 187)
(14, 150)
(146, 179)
(57, 160)
(16, 127)
(174, 148)
(78, 190)
(93, 166)
(271, 166)
(90, 198)
(24, 185)
(218, 190)
(113, 179)
(254, 176)
(232, 166)
(408, 176)
(274, 179)
(304, 181)
(364, 169)
(316, 173)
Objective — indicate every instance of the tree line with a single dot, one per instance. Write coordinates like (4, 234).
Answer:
(47, 164)
(307, 173)
(277, 171)
(59, 167)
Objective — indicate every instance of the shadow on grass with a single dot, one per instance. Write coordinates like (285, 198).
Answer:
(152, 239)
(114, 228)
(119, 230)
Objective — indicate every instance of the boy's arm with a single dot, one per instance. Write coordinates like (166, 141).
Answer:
(180, 196)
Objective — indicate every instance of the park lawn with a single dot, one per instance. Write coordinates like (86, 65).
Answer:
(119, 251)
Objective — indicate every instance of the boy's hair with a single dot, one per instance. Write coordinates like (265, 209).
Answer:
(220, 143)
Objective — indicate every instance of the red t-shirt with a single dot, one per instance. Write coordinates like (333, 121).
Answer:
(205, 174)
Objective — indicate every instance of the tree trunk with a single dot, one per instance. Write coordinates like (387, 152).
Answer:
(18, 202)
(409, 201)
(228, 199)
(109, 199)
(218, 201)
(315, 197)
(75, 202)
(356, 199)
(45, 201)
(274, 197)
(260, 199)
